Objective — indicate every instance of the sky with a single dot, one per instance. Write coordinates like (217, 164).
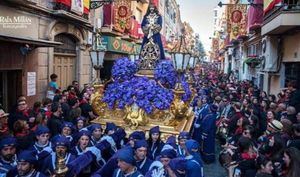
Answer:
(199, 13)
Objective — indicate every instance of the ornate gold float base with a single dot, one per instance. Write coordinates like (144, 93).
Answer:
(179, 117)
(164, 119)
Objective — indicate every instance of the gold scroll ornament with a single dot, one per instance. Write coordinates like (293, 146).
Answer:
(179, 117)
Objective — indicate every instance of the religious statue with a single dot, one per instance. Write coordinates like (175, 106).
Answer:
(135, 116)
(152, 49)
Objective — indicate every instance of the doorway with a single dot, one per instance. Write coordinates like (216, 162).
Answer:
(64, 62)
(10, 88)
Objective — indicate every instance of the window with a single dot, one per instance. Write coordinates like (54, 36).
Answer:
(292, 73)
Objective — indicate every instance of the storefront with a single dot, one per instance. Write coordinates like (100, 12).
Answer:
(117, 48)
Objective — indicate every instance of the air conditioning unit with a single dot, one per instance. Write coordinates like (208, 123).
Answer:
(269, 53)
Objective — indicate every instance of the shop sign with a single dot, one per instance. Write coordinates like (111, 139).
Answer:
(121, 46)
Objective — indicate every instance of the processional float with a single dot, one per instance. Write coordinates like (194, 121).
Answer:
(169, 98)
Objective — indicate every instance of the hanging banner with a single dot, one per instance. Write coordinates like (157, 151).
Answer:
(270, 4)
(77, 6)
(236, 21)
(86, 6)
(122, 16)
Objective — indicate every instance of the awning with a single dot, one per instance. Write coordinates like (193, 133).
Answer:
(35, 42)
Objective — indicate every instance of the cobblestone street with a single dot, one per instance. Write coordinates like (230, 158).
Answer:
(215, 169)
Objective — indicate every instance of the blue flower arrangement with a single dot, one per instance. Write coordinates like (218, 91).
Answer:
(146, 93)
(187, 91)
(165, 74)
(124, 69)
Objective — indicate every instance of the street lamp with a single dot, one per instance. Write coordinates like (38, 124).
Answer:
(97, 53)
(180, 56)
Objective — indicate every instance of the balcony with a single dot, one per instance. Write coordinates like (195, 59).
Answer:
(282, 18)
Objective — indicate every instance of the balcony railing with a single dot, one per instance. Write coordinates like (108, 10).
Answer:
(286, 5)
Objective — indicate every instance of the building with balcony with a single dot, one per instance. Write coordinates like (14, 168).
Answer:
(281, 46)
(38, 38)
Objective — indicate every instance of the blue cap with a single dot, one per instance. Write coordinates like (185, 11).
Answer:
(178, 164)
(171, 141)
(80, 118)
(137, 135)
(61, 141)
(110, 126)
(94, 127)
(191, 146)
(140, 143)
(41, 130)
(8, 141)
(27, 156)
(168, 153)
(184, 135)
(154, 130)
(126, 155)
(67, 124)
(83, 133)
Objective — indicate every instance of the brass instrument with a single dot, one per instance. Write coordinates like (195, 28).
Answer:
(60, 165)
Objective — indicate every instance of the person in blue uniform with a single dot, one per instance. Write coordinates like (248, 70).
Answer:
(155, 144)
(208, 133)
(42, 142)
(108, 169)
(182, 137)
(95, 153)
(96, 133)
(126, 164)
(61, 146)
(177, 167)
(110, 128)
(166, 156)
(66, 130)
(194, 164)
(83, 141)
(199, 115)
(8, 158)
(140, 154)
(26, 165)
(135, 136)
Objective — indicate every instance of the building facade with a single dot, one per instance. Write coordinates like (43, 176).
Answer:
(39, 38)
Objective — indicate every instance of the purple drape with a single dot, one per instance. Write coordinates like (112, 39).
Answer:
(255, 16)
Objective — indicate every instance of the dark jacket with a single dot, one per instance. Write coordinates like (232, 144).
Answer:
(54, 125)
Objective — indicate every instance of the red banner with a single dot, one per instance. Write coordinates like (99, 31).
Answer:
(236, 21)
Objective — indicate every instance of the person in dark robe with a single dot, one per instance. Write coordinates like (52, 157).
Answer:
(140, 154)
(194, 164)
(182, 137)
(200, 115)
(126, 164)
(96, 133)
(208, 133)
(155, 144)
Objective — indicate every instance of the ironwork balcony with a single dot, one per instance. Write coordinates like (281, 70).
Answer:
(282, 18)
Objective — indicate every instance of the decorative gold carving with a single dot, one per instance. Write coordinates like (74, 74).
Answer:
(171, 121)
(135, 117)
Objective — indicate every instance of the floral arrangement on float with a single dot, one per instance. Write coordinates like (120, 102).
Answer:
(148, 94)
